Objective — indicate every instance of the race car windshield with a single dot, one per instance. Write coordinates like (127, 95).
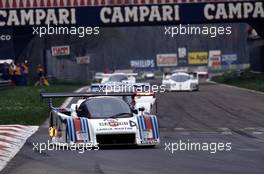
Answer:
(107, 107)
(117, 78)
(180, 78)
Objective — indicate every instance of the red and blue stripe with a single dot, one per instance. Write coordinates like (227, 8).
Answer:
(78, 124)
(148, 122)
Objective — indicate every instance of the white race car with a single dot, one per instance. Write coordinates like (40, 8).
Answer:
(109, 81)
(145, 100)
(180, 81)
(120, 83)
(148, 75)
(116, 77)
(100, 119)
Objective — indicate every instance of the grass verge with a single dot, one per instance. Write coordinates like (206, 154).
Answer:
(245, 79)
(23, 105)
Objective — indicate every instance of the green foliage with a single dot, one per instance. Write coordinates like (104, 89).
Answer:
(245, 79)
(23, 105)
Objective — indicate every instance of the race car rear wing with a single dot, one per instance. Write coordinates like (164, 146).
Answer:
(85, 95)
(50, 96)
(102, 75)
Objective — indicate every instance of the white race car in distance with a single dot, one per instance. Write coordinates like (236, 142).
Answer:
(116, 77)
(148, 75)
(121, 82)
(180, 81)
(110, 81)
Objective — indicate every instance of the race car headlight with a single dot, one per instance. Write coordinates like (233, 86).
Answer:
(52, 132)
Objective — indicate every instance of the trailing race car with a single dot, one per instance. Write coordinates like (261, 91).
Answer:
(109, 82)
(120, 83)
(148, 75)
(116, 77)
(100, 119)
(181, 81)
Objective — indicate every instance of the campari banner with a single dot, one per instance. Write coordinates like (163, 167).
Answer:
(132, 15)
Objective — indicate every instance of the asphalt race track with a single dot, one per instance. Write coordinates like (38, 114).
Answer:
(214, 114)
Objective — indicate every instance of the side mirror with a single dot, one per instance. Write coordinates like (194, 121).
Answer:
(142, 109)
(134, 111)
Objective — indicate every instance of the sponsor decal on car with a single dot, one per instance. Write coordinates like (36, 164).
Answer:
(147, 134)
(132, 123)
(81, 136)
(149, 141)
(113, 123)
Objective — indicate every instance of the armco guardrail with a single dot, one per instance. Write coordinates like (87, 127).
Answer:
(4, 83)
